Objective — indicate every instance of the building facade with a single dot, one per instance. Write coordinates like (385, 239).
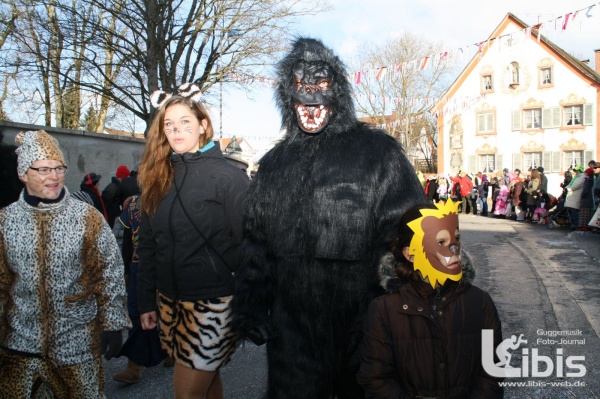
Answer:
(521, 102)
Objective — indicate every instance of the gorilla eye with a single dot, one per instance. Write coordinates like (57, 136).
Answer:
(324, 84)
(298, 84)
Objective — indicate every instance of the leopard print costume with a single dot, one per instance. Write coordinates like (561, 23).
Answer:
(33, 146)
(61, 282)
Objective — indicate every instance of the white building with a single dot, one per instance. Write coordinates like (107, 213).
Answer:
(521, 102)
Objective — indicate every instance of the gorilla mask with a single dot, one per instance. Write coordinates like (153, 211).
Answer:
(313, 91)
(436, 244)
(312, 95)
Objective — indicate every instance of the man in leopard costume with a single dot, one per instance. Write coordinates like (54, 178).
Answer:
(62, 291)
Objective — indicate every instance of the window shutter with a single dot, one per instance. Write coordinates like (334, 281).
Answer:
(516, 120)
(555, 162)
(481, 122)
(516, 158)
(555, 116)
(499, 165)
(472, 163)
(546, 118)
(547, 160)
(587, 157)
(490, 122)
(588, 114)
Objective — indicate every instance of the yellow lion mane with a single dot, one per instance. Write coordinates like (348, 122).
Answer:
(421, 263)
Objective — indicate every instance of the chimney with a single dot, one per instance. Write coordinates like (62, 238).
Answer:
(597, 60)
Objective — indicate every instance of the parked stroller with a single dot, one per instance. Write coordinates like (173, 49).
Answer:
(559, 216)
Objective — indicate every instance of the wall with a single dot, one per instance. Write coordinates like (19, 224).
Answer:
(85, 152)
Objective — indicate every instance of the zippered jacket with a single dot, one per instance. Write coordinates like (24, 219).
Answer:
(207, 194)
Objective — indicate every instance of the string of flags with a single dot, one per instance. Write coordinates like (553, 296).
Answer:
(560, 23)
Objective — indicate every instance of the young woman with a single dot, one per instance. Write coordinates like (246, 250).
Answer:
(189, 242)
(424, 338)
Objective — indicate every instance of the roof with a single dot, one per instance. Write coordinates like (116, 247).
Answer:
(583, 69)
(117, 132)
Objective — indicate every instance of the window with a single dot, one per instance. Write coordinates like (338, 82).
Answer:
(545, 76)
(514, 69)
(486, 83)
(486, 123)
(487, 163)
(572, 115)
(573, 158)
(532, 118)
(532, 160)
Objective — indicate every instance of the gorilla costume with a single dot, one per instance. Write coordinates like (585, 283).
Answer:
(320, 212)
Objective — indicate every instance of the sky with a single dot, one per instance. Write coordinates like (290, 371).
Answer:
(353, 24)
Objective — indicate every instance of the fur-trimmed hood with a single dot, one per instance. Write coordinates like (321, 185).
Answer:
(389, 280)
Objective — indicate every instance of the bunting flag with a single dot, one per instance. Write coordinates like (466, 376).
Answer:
(561, 23)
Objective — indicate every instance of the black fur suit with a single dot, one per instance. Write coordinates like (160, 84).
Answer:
(319, 214)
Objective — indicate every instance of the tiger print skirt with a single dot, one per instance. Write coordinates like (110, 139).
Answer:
(197, 334)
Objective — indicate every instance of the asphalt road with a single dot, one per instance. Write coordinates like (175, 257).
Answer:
(544, 282)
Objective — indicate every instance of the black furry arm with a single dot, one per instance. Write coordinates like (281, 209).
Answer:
(253, 283)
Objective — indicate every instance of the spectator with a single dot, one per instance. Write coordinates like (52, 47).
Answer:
(11, 185)
(130, 186)
(61, 284)
(89, 193)
(443, 188)
(543, 186)
(465, 185)
(573, 199)
(586, 204)
(483, 194)
(112, 195)
(533, 194)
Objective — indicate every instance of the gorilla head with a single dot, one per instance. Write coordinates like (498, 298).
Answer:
(313, 92)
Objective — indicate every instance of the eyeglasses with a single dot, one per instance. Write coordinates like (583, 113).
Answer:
(60, 170)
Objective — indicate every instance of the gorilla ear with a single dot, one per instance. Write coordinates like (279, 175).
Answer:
(407, 255)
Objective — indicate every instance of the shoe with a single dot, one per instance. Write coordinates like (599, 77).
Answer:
(168, 362)
(131, 375)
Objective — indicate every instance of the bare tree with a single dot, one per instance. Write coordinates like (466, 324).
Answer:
(399, 88)
(118, 52)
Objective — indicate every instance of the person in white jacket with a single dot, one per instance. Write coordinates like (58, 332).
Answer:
(574, 196)
(62, 288)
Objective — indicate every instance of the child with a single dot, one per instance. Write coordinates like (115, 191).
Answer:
(423, 338)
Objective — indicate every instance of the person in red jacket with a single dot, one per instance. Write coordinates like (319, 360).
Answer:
(466, 184)
(424, 338)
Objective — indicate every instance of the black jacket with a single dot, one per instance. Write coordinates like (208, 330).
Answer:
(174, 258)
(129, 186)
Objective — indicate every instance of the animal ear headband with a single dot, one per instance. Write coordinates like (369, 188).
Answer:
(191, 90)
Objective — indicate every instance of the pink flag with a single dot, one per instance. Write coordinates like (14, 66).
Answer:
(564, 26)
(358, 75)
(424, 63)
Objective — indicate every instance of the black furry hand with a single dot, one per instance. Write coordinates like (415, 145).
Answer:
(111, 343)
(259, 335)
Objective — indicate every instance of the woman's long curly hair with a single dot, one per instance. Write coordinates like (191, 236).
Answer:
(156, 172)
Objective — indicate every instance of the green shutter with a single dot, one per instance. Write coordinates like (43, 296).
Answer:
(588, 155)
(555, 162)
(547, 160)
(499, 165)
(516, 120)
(588, 114)
(516, 160)
(546, 118)
(490, 122)
(481, 122)
(472, 163)
(555, 116)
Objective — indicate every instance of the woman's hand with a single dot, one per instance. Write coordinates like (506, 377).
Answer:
(148, 320)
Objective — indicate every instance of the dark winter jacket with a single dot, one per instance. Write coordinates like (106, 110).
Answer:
(587, 200)
(421, 342)
(174, 258)
(129, 186)
(113, 200)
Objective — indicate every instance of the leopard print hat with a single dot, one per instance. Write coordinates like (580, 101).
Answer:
(34, 146)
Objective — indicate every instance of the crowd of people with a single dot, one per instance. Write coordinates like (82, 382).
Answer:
(524, 196)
